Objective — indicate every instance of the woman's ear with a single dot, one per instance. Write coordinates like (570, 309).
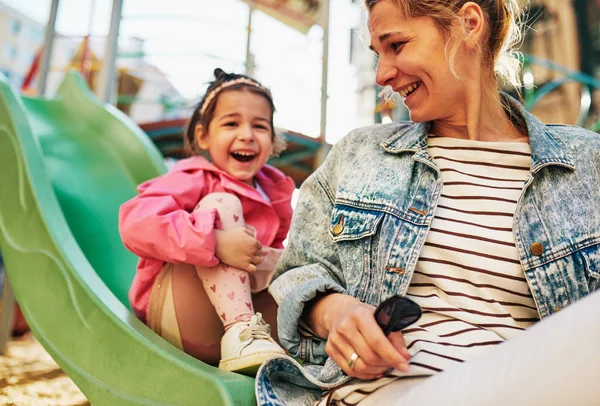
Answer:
(200, 137)
(473, 21)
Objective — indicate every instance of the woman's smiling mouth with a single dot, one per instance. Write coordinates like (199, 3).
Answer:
(408, 90)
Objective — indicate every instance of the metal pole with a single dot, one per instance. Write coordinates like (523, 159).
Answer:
(47, 50)
(249, 56)
(324, 148)
(109, 71)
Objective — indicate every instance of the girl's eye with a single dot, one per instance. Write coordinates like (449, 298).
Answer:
(230, 124)
(261, 127)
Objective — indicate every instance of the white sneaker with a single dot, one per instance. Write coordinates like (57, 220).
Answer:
(246, 345)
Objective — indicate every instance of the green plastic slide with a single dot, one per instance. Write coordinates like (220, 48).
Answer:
(66, 165)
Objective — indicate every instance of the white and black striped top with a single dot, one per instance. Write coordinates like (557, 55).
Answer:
(468, 280)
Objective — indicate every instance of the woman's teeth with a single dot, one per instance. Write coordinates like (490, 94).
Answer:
(407, 91)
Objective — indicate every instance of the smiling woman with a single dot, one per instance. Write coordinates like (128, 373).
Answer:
(467, 211)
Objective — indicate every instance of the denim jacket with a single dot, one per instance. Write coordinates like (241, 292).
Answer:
(362, 219)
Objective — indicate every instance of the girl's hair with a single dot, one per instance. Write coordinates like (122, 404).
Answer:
(205, 109)
(504, 30)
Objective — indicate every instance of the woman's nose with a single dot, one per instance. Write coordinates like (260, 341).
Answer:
(386, 72)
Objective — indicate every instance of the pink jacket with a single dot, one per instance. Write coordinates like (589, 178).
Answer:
(158, 225)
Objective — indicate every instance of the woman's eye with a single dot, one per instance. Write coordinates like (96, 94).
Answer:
(397, 46)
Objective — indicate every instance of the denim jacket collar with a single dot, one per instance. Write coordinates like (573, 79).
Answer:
(546, 147)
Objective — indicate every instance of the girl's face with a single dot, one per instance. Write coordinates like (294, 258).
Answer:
(412, 62)
(239, 136)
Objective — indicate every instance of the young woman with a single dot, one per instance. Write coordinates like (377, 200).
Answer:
(485, 217)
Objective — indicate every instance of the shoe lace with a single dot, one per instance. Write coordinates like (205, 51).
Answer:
(256, 328)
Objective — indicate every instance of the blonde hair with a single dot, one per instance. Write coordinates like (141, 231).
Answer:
(504, 31)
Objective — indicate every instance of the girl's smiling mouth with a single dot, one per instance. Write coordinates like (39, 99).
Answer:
(243, 156)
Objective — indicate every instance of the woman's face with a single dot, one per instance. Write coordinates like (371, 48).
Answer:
(412, 61)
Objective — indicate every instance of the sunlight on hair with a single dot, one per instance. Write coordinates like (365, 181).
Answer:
(528, 80)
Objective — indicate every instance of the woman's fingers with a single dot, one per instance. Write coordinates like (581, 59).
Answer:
(352, 340)
(397, 340)
(381, 345)
(359, 369)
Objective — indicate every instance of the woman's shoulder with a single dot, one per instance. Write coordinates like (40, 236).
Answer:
(374, 135)
(574, 133)
(577, 139)
(582, 146)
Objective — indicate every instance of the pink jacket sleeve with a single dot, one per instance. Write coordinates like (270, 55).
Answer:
(159, 223)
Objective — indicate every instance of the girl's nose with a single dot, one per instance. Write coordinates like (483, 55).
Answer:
(246, 133)
(386, 72)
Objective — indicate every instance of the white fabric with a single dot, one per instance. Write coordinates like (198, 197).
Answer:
(554, 363)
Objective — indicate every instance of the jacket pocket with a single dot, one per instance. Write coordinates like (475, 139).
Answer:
(356, 235)
(591, 262)
(350, 223)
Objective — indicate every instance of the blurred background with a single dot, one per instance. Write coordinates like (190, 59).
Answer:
(166, 52)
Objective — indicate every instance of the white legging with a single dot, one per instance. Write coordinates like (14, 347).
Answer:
(555, 362)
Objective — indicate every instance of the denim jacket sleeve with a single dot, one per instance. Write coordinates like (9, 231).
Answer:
(310, 263)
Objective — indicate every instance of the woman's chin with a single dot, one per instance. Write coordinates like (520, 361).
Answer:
(417, 117)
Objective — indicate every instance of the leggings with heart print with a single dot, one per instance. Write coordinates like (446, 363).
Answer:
(228, 288)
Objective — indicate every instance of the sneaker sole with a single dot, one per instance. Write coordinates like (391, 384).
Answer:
(247, 365)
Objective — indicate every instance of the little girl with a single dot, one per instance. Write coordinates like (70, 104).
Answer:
(209, 233)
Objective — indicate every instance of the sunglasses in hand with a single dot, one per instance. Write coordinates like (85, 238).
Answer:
(396, 313)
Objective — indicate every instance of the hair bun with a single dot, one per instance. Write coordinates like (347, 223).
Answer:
(219, 73)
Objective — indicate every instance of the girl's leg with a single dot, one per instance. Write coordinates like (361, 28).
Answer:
(247, 342)
(228, 288)
(553, 363)
(181, 313)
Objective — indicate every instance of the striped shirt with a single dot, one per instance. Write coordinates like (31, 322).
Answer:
(468, 280)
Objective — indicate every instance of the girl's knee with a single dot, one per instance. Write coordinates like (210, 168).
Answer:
(220, 201)
(227, 205)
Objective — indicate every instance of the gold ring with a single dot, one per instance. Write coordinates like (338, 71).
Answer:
(352, 360)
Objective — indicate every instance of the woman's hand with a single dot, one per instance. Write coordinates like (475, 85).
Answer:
(350, 328)
(238, 248)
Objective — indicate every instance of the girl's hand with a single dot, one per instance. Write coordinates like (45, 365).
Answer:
(238, 248)
(351, 328)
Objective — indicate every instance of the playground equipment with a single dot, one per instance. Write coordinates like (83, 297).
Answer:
(66, 164)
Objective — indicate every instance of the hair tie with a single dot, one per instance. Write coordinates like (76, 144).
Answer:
(210, 96)
(219, 73)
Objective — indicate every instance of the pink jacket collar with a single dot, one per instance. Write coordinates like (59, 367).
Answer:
(275, 183)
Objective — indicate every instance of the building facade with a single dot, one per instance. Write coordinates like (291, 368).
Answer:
(20, 38)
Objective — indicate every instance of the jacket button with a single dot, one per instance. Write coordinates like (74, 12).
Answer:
(339, 227)
(536, 249)
(400, 271)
